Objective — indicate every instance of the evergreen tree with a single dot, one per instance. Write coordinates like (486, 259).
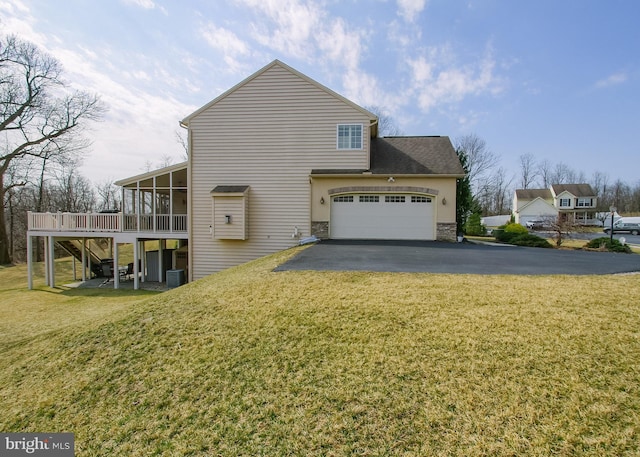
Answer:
(464, 198)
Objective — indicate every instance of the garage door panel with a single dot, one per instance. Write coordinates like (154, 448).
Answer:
(382, 217)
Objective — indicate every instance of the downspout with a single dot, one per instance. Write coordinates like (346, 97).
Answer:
(374, 122)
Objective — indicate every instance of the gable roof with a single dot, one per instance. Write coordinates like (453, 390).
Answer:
(532, 194)
(526, 204)
(410, 155)
(373, 118)
(578, 190)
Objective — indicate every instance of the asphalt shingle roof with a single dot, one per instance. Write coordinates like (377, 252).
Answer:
(414, 155)
(579, 190)
(229, 189)
(531, 194)
(423, 155)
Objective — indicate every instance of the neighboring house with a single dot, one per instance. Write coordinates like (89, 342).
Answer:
(280, 157)
(575, 203)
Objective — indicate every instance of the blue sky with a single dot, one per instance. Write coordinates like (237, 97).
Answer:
(559, 79)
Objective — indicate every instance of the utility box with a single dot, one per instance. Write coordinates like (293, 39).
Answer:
(153, 264)
(175, 278)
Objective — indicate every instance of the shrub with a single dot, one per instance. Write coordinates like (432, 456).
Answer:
(515, 228)
(530, 240)
(473, 226)
(518, 235)
(608, 245)
(508, 232)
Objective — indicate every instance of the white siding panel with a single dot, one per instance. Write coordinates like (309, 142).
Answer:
(268, 134)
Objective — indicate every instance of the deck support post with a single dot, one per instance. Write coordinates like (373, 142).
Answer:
(136, 264)
(116, 269)
(29, 262)
(52, 273)
(45, 252)
(161, 246)
(143, 251)
(84, 259)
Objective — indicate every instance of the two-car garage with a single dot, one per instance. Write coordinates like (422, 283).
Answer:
(390, 216)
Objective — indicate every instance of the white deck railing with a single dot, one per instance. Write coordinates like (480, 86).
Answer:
(107, 222)
(164, 223)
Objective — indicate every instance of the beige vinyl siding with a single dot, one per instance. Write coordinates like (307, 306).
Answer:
(268, 134)
(237, 208)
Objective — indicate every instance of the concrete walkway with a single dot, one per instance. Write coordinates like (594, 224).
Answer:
(461, 258)
(102, 283)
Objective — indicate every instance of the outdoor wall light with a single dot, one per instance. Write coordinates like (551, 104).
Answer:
(227, 219)
(444, 201)
(322, 200)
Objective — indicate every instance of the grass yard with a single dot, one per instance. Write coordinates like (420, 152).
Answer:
(251, 362)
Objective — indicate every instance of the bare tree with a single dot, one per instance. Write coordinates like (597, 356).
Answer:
(528, 171)
(545, 171)
(387, 125)
(181, 138)
(109, 197)
(73, 192)
(621, 196)
(164, 161)
(494, 193)
(39, 115)
(480, 160)
(600, 185)
(635, 199)
(561, 227)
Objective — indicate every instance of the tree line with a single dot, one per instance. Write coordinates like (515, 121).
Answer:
(490, 187)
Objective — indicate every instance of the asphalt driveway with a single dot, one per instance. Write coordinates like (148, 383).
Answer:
(439, 257)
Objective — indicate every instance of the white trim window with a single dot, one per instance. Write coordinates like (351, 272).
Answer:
(584, 202)
(565, 202)
(349, 136)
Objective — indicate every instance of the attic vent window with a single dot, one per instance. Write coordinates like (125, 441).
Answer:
(349, 136)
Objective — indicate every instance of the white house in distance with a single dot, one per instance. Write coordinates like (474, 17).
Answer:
(572, 202)
(277, 158)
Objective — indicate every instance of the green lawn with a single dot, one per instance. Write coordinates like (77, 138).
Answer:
(252, 362)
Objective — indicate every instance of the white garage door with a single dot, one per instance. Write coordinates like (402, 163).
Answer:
(382, 216)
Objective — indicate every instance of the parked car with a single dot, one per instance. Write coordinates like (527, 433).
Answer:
(535, 224)
(623, 227)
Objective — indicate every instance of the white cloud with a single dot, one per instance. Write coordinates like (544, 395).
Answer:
(409, 9)
(17, 19)
(142, 118)
(437, 83)
(612, 80)
(295, 22)
(340, 45)
(365, 90)
(227, 43)
(224, 40)
(13, 6)
(147, 4)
